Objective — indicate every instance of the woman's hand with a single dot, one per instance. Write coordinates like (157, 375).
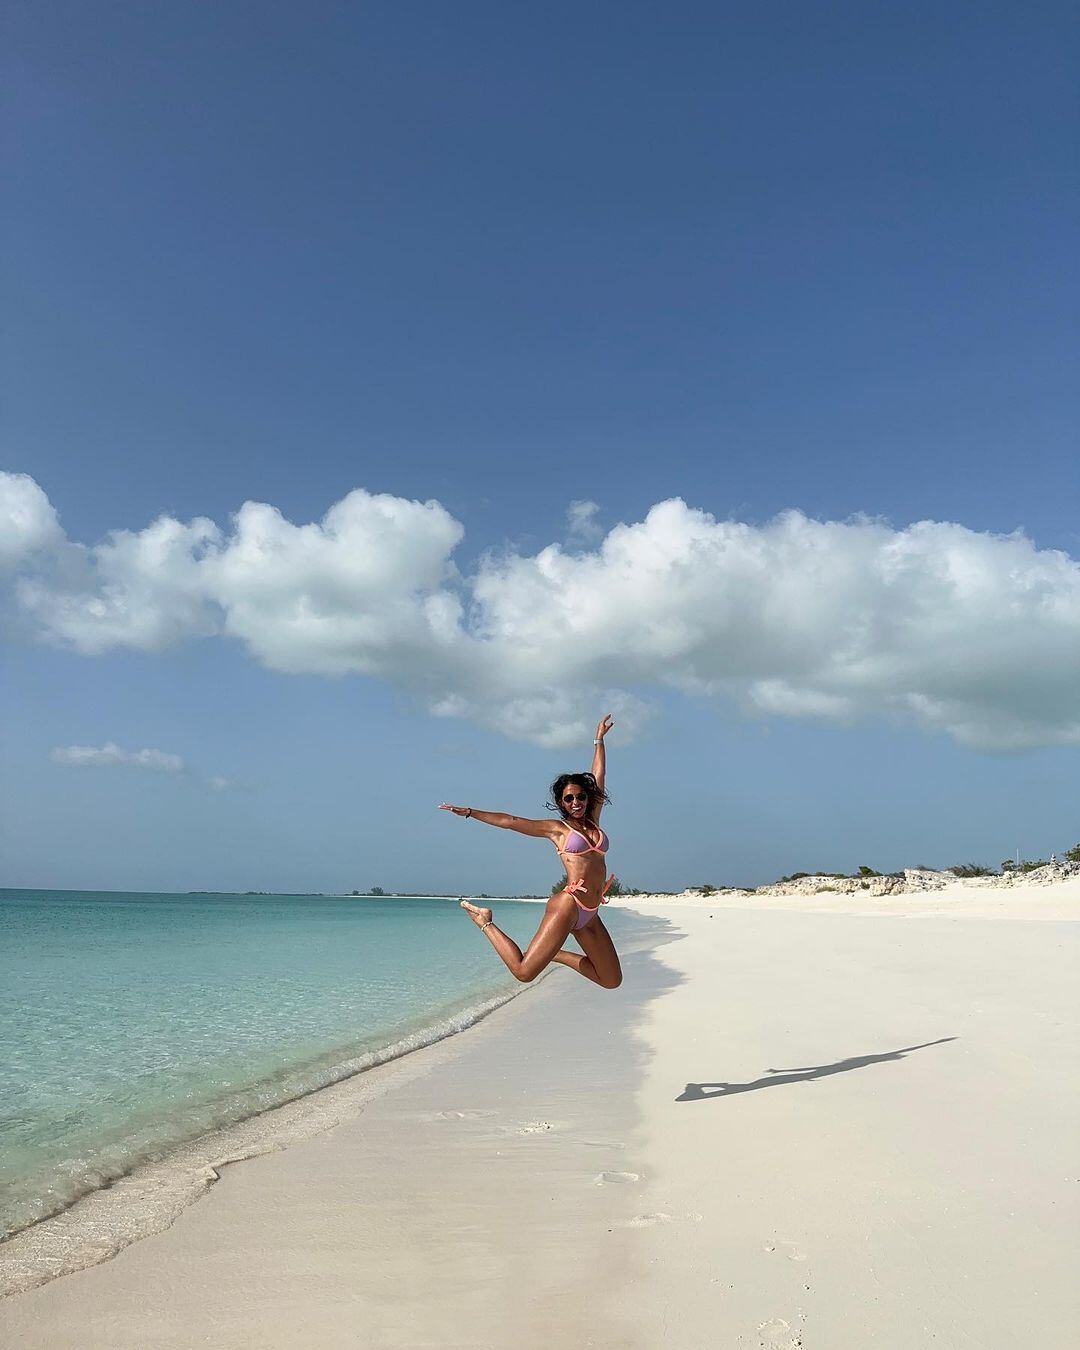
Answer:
(457, 810)
(605, 725)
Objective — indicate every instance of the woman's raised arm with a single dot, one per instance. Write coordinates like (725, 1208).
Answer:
(540, 829)
(599, 759)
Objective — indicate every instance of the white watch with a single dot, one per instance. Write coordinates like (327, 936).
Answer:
(598, 742)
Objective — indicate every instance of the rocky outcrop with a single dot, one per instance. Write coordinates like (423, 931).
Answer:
(911, 880)
(824, 885)
(1041, 876)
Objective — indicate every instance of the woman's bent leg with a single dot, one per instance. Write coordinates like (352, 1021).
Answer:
(554, 927)
(577, 962)
(595, 941)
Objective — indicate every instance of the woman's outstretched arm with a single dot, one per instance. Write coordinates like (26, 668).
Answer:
(540, 829)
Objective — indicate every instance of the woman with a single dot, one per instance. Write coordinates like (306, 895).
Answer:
(581, 844)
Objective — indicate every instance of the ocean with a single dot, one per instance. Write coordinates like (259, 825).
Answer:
(132, 1023)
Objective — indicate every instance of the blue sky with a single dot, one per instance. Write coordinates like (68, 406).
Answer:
(759, 258)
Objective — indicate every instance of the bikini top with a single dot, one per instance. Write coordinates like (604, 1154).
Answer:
(578, 843)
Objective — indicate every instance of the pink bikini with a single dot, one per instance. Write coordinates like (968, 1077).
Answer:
(585, 914)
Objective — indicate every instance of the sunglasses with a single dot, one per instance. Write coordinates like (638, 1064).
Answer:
(576, 797)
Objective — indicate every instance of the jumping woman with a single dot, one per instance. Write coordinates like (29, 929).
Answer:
(581, 844)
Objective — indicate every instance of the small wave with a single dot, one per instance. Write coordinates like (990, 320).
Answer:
(95, 1210)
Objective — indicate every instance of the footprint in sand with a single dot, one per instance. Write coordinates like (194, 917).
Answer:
(535, 1127)
(776, 1334)
(463, 1115)
(604, 1178)
(791, 1250)
(647, 1220)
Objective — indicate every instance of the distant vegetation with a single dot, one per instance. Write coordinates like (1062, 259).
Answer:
(958, 870)
(837, 876)
(1024, 865)
(616, 888)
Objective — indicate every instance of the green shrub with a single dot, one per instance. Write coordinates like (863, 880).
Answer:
(616, 887)
(1024, 865)
(1029, 865)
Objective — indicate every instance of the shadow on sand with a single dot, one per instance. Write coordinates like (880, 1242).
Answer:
(699, 1092)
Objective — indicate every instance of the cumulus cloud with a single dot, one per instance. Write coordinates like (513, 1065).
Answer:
(975, 634)
(28, 522)
(971, 634)
(110, 754)
(145, 590)
(365, 589)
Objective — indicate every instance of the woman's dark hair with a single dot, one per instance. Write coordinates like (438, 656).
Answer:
(584, 780)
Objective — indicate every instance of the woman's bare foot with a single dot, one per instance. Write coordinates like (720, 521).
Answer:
(479, 916)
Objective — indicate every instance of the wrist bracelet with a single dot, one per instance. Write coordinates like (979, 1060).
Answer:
(598, 742)
(468, 813)
(487, 925)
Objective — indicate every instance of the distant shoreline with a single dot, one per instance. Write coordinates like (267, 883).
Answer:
(906, 882)
(269, 895)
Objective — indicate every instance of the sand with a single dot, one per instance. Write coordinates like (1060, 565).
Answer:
(831, 1124)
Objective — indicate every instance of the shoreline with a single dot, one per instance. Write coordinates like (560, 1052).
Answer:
(845, 1122)
(533, 1120)
(148, 1196)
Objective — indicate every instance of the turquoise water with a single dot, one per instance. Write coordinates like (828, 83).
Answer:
(131, 1023)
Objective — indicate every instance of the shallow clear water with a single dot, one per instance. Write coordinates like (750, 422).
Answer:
(130, 1023)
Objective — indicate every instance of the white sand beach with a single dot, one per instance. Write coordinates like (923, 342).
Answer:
(821, 1122)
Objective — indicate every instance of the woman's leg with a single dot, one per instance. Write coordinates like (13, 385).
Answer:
(601, 961)
(575, 961)
(595, 938)
(549, 937)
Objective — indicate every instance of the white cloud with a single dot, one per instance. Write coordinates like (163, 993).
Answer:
(219, 784)
(28, 522)
(145, 590)
(975, 634)
(363, 590)
(110, 754)
(972, 634)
